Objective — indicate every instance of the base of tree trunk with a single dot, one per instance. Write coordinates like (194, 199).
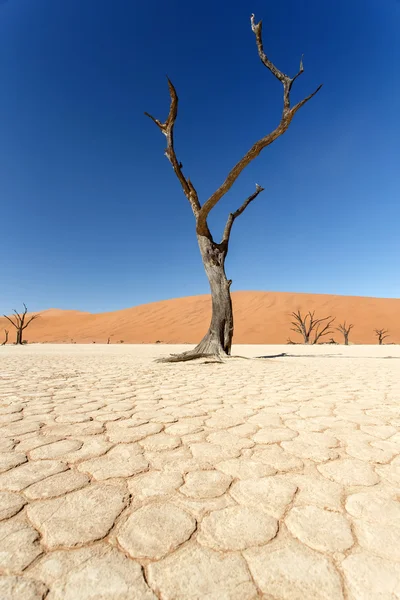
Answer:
(191, 355)
(209, 347)
(218, 340)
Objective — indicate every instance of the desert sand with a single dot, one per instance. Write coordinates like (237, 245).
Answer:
(260, 318)
(126, 479)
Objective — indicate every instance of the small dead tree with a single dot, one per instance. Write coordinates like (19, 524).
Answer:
(6, 337)
(308, 324)
(20, 322)
(345, 330)
(218, 339)
(381, 334)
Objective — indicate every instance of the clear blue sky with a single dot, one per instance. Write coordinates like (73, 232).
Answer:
(92, 217)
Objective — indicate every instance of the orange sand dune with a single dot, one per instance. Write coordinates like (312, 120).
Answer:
(260, 318)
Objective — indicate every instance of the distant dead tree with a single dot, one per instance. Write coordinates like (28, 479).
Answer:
(6, 337)
(108, 340)
(381, 335)
(345, 330)
(218, 339)
(20, 324)
(308, 324)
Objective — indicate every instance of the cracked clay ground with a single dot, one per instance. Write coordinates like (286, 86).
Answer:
(124, 479)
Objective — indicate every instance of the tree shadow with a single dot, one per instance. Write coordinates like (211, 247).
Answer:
(286, 355)
(274, 355)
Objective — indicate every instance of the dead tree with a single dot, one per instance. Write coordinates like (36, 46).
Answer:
(345, 330)
(6, 337)
(308, 324)
(381, 335)
(218, 339)
(20, 322)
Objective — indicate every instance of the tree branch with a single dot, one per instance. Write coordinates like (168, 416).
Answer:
(30, 320)
(238, 212)
(295, 108)
(19, 318)
(167, 129)
(300, 324)
(324, 331)
(12, 322)
(283, 78)
(23, 316)
(287, 116)
(312, 324)
(301, 70)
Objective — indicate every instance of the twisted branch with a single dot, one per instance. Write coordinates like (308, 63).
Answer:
(167, 129)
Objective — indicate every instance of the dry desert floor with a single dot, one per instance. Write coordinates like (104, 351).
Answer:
(274, 478)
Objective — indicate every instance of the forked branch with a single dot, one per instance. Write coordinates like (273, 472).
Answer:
(286, 81)
(287, 116)
(201, 212)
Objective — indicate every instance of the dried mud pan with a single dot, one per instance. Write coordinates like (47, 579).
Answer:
(122, 478)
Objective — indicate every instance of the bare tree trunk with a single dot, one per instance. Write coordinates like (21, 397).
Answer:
(19, 337)
(346, 339)
(218, 339)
